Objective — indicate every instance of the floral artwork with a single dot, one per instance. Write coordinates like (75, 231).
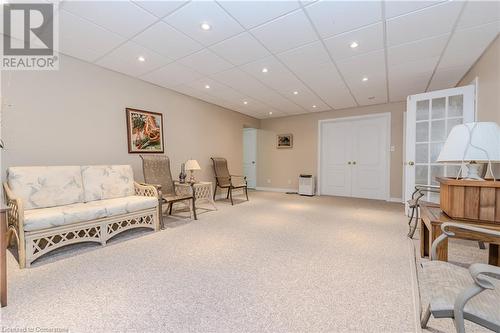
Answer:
(144, 131)
(284, 141)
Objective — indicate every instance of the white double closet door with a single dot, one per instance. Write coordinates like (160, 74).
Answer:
(354, 156)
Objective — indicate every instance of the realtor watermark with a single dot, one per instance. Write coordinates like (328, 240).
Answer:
(30, 36)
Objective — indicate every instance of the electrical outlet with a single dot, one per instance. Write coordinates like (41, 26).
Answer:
(289, 181)
(269, 181)
(393, 148)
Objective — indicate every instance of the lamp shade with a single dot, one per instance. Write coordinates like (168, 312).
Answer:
(479, 142)
(192, 165)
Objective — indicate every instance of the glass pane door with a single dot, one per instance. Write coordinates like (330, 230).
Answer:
(430, 118)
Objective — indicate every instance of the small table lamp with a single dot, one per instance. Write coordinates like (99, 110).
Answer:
(192, 165)
(472, 143)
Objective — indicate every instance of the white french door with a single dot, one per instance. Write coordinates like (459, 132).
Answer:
(354, 156)
(250, 156)
(430, 118)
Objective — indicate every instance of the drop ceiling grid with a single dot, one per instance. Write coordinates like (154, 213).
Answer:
(475, 17)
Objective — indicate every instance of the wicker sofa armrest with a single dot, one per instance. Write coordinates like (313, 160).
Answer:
(147, 190)
(448, 233)
(15, 221)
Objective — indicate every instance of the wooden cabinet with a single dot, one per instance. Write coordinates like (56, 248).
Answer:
(470, 199)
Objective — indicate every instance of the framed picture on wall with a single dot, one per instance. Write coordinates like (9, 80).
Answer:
(144, 131)
(284, 141)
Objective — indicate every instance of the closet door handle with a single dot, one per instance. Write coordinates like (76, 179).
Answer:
(349, 162)
(354, 162)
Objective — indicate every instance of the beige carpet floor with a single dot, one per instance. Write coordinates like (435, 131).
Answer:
(279, 263)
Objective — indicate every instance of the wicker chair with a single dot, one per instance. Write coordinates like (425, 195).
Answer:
(156, 170)
(462, 294)
(225, 180)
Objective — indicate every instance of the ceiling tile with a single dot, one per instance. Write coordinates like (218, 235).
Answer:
(467, 45)
(121, 17)
(240, 49)
(447, 77)
(428, 22)
(400, 89)
(409, 69)
(396, 8)
(84, 40)
(479, 13)
(189, 18)
(304, 57)
(287, 32)
(369, 38)
(413, 51)
(253, 13)
(368, 64)
(172, 75)
(206, 62)
(335, 17)
(165, 40)
(160, 8)
(278, 76)
(124, 59)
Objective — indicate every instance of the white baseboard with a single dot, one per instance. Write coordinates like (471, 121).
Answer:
(399, 200)
(276, 189)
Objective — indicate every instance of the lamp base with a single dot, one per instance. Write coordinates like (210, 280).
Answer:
(192, 179)
(473, 172)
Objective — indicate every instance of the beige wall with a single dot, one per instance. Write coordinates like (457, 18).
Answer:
(283, 165)
(487, 70)
(77, 116)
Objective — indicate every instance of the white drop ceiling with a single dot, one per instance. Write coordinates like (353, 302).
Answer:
(404, 47)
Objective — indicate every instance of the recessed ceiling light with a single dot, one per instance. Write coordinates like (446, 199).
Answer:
(205, 26)
(270, 112)
(314, 106)
(265, 70)
(364, 79)
(354, 45)
(207, 86)
(245, 102)
(141, 59)
(295, 92)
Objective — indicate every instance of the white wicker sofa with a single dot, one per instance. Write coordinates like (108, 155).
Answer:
(53, 206)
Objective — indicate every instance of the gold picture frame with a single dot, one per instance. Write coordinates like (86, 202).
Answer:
(284, 141)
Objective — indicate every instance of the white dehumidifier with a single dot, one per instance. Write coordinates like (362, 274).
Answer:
(306, 185)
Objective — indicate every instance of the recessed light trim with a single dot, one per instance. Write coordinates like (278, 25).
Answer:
(354, 45)
(207, 86)
(265, 70)
(364, 79)
(245, 102)
(295, 92)
(205, 26)
(141, 58)
(314, 106)
(270, 112)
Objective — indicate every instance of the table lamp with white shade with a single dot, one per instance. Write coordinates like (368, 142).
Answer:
(192, 165)
(472, 143)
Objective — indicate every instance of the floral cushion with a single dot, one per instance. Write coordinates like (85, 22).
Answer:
(38, 219)
(46, 186)
(107, 181)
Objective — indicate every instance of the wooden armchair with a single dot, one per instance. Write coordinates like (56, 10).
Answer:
(462, 294)
(157, 172)
(224, 179)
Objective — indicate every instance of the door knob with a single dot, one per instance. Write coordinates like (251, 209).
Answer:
(349, 162)
(411, 163)
(253, 162)
(354, 162)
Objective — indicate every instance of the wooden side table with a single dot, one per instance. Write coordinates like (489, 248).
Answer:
(3, 256)
(430, 229)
